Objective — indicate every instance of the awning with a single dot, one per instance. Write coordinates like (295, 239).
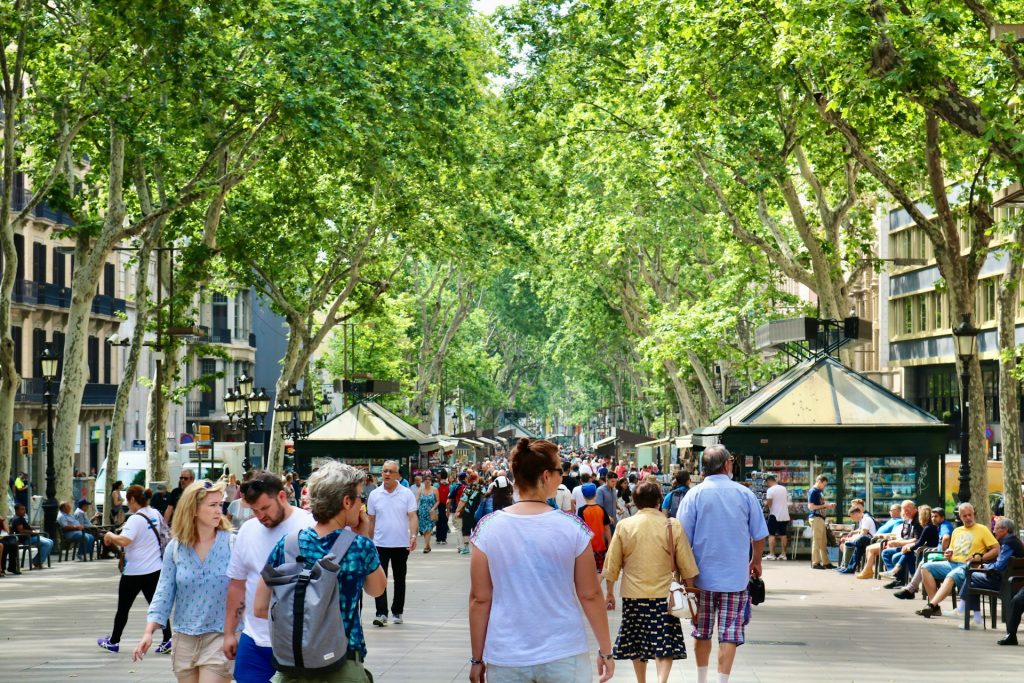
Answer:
(655, 443)
(605, 441)
(489, 442)
(684, 441)
(370, 422)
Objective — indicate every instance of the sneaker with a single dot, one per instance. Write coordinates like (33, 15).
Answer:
(1007, 640)
(397, 619)
(380, 620)
(844, 570)
(930, 611)
(768, 558)
(887, 575)
(828, 566)
(780, 558)
(165, 647)
(905, 594)
(105, 643)
(817, 566)
(893, 584)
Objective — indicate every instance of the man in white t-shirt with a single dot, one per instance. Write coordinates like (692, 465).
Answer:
(393, 527)
(586, 468)
(563, 498)
(578, 500)
(859, 539)
(776, 498)
(273, 518)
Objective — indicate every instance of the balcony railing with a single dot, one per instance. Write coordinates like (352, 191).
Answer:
(54, 295)
(41, 210)
(31, 390)
(196, 409)
(220, 336)
(25, 292)
(103, 304)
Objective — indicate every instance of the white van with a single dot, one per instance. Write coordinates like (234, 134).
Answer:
(129, 465)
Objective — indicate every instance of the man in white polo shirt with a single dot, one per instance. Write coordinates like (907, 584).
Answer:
(273, 517)
(393, 527)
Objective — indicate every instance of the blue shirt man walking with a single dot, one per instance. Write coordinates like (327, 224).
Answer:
(721, 518)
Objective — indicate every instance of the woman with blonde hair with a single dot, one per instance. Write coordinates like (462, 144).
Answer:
(194, 582)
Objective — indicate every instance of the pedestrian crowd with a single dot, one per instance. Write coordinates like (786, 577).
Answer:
(263, 579)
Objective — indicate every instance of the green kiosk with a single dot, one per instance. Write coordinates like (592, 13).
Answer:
(821, 417)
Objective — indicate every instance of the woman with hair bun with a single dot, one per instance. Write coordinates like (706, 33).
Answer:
(143, 558)
(532, 629)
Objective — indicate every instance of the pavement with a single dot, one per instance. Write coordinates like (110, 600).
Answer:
(814, 626)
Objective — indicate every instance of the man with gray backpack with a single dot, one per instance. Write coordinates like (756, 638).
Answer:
(313, 572)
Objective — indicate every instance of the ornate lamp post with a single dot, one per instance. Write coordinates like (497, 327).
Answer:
(49, 361)
(246, 410)
(965, 338)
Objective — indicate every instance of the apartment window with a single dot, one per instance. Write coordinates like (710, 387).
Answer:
(922, 313)
(207, 367)
(38, 344)
(108, 279)
(94, 359)
(988, 299)
(39, 262)
(19, 248)
(58, 269)
(16, 337)
(58, 348)
(936, 311)
(901, 244)
(906, 312)
(919, 241)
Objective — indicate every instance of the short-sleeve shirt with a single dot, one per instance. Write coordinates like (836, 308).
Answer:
(359, 561)
(535, 587)
(721, 518)
(142, 555)
(815, 497)
(82, 518)
(778, 502)
(596, 519)
(390, 511)
(967, 542)
(252, 548)
(64, 519)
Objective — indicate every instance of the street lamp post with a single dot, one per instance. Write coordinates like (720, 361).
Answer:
(246, 409)
(295, 417)
(48, 361)
(965, 337)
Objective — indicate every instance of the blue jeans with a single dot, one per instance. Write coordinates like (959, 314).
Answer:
(906, 562)
(983, 582)
(85, 542)
(940, 570)
(889, 557)
(858, 545)
(253, 664)
(45, 546)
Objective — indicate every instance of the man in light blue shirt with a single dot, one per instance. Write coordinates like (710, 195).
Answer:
(721, 518)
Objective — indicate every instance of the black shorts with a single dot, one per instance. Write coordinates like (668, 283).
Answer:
(777, 528)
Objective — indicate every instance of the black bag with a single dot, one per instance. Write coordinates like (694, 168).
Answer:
(755, 588)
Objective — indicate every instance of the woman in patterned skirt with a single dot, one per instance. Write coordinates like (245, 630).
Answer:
(427, 512)
(640, 550)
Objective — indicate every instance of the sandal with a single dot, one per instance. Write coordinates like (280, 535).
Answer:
(426, 550)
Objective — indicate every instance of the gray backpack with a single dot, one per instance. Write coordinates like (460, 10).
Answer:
(306, 632)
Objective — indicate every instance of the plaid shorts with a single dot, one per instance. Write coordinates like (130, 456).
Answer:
(725, 608)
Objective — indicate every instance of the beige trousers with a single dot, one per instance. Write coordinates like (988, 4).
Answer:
(819, 545)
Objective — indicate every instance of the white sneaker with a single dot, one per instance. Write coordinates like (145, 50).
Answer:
(780, 558)
(768, 557)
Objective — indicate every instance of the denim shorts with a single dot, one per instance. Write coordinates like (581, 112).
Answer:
(940, 570)
(568, 670)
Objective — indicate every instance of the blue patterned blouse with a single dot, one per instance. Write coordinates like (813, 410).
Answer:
(360, 560)
(196, 589)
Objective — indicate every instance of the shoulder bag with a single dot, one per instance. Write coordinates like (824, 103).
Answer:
(681, 603)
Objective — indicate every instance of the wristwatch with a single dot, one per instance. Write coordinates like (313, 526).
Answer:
(606, 657)
(474, 662)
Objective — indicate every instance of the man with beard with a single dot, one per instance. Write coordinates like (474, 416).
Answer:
(273, 517)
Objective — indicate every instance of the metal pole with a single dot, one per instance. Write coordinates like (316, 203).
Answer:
(246, 465)
(50, 504)
(964, 494)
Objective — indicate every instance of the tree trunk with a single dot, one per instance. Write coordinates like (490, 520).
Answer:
(90, 255)
(1009, 388)
(292, 356)
(128, 379)
(159, 408)
(692, 417)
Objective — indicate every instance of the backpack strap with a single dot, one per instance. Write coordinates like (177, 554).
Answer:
(291, 547)
(156, 533)
(345, 540)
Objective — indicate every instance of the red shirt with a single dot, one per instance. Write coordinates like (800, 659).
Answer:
(442, 493)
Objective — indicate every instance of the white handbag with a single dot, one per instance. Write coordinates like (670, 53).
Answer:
(681, 603)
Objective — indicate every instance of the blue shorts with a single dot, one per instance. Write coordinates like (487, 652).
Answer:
(253, 664)
(940, 570)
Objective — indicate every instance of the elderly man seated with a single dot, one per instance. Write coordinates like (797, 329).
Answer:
(76, 527)
(901, 529)
(20, 526)
(1009, 546)
(858, 539)
(970, 543)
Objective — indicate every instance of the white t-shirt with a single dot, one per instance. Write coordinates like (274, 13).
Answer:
(577, 496)
(248, 558)
(585, 468)
(778, 502)
(390, 512)
(142, 555)
(866, 522)
(536, 587)
(563, 498)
